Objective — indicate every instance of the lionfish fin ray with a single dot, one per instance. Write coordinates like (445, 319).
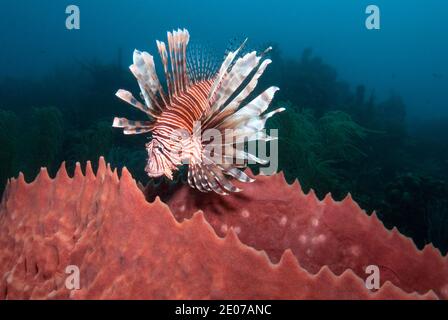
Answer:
(250, 64)
(236, 102)
(223, 71)
(250, 116)
(177, 46)
(143, 69)
(223, 180)
(202, 63)
(236, 173)
(131, 126)
(129, 98)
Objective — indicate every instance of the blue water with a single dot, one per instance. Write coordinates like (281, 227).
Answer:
(407, 55)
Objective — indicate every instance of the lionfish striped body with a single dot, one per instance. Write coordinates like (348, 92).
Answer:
(197, 94)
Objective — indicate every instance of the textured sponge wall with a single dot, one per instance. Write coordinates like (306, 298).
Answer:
(269, 242)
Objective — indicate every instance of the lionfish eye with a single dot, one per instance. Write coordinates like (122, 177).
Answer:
(181, 135)
(159, 148)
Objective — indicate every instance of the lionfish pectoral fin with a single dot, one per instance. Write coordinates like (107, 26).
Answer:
(144, 70)
(195, 177)
(235, 81)
(131, 126)
(210, 176)
(235, 86)
(237, 174)
(174, 60)
(223, 73)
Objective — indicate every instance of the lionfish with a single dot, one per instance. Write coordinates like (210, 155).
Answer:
(198, 93)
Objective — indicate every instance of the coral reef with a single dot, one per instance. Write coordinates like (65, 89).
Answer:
(126, 247)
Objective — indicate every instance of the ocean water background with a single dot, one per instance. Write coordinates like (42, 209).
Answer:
(407, 55)
(367, 110)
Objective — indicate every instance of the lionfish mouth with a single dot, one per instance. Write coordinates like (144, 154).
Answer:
(197, 91)
(155, 174)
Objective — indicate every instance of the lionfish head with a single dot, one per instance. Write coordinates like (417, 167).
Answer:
(159, 160)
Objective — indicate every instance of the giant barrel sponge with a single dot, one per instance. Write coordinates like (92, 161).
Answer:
(271, 241)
